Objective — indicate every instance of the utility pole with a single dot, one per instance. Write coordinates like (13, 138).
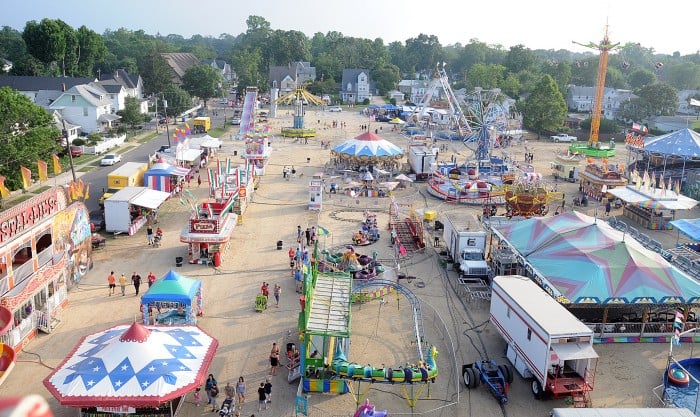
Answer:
(70, 155)
(165, 113)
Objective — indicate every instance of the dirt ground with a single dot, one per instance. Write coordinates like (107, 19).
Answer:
(382, 332)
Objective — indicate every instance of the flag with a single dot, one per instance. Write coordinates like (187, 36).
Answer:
(187, 129)
(694, 102)
(80, 188)
(43, 168)
(26, 177)
(86, 194)
(56, 165)
(322, 231)
(4, 192)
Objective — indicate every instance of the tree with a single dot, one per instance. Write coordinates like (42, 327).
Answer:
(425, 51)
(684, 76)
(519, 58)
(178, 100)
(131, 113)
(27, 134)
(386, 78)
(606, 125)
(544, 109)
(155, 72)
(45, 41)
(203, 81)
(561, 72)
(661, 99)
(12, 45)
(92, 50)
(641, 77)
(248, 64)
(485, 76)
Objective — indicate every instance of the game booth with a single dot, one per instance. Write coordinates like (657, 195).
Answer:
(173, 300)
(164, 177)
(208, 234)
(133, 369)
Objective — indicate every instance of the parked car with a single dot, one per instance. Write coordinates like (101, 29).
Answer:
(382, 118)
(110, 159)
(335, 109)
(163, 120)
(97, 220)
(563, 137)
(76, 150)
(236, 121)
(164, 149)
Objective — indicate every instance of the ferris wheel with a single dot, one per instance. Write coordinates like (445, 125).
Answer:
(489, 116)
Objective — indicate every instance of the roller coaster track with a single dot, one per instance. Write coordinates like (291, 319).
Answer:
(415, 306)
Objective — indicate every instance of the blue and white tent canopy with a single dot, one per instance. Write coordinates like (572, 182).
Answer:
(134, 366)
(683, 144)
(368, 146)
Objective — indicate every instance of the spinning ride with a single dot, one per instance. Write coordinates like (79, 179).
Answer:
(299, 97)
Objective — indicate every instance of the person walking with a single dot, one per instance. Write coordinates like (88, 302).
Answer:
(211, 382)
(608, 206)
(199, 180)
(213, 393)
(277, 292)
(112, 282)
(274, 359)
(262, 405)
(151, 279)
(228, 391)
(240, 390)
(149, 234)
(136, 280)
(299, 233)
(268, 390)
(307, 233)
(122, 284)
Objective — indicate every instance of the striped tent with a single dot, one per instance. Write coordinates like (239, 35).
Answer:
(159, 177)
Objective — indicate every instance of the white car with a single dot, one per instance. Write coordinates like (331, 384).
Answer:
(110, 159)
(563, 137)
(335, 109)
(236, 121)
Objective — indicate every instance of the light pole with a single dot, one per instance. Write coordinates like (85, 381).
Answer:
(70, 155)
(165, 113)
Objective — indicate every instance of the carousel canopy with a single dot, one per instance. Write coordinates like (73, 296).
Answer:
(368, 145)
(172, 287)
(684, 144)
(587, 261)
(134, 366)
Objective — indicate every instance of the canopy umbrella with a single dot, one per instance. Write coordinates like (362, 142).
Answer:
(396, 121)
(133, 366)
(689, 227)
(403, 177)
(368, 176)
(370, 146)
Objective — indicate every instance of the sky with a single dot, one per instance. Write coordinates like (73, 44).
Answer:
(537, 24)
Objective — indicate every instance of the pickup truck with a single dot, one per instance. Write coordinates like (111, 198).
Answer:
(563, 137)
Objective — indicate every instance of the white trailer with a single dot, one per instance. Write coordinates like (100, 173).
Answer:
(466, 243)
(545, 341)
(118, 208)
(422, 160)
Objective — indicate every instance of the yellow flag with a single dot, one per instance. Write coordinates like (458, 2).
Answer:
(86, 194)
(26, 177)
(56, 165)
(43, 170)
(4, 192)
(79, 188)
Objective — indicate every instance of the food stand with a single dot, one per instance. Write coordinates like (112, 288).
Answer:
(173, 300)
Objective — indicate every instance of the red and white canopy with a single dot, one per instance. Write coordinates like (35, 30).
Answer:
(133, 365)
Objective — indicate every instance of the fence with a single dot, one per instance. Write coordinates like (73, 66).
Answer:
(104, 145)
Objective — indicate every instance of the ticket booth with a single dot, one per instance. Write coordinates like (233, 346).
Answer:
(316, 192)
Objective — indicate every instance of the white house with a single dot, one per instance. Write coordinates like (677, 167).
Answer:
(414, 90)
(355, 86)
(286, 78)
(86, 105)
(223, 67)
(684, 106)
(580, 99)
(120, 85)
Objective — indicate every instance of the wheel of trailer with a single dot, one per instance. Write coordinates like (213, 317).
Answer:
(506, 373)
(536, 389)
(468, 377)
(477, 376)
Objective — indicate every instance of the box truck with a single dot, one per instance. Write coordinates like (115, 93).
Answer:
(423, 160)
(128, 175)
(466, 244)
(545, 342)
(202, 124)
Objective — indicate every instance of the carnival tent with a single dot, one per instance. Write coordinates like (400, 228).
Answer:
(205, 141)
(133, 366)
(689, 227)
(653, 198)
(683, 144)
(585, 260)
(174, 290)
(159, 176)
(368, 146)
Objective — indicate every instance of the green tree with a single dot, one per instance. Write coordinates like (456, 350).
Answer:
(328, 67)
(606, 125)
(386, 78)
(12, 45)
(485, 76)
(92, 50)
(27, 134)
(131, 113)
(684, 76)
(45, 41)
(544, 109)
(290, 46)
(519, 58)
(425, 51)
(661, 99)
(155, 72)
(248, 65)
(561, 72)
(178, 100)
(641, 77)
(202, 81)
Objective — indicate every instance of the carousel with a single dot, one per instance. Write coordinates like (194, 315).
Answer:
(133, 369)
(365, 150)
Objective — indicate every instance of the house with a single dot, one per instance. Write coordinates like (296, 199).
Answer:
(86, 105)
(287, 78)
(179, 63)
(414, 90)
(70, 131)
(684, 97)
(120, 85)
(580, 99)
(396, 95)
(223, 67)
(41, 90)
(5, 65)
(355, 86)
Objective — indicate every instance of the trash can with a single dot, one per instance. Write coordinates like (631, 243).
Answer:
(178, 261)
(235, 153)
(279, 245)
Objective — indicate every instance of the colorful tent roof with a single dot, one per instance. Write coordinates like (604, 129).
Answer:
(164, 168)
(368, 145)
(684, 143)
(133, 366)
(172, 287)
(585, 260)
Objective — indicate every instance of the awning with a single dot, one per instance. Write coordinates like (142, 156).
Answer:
(689, 227)
(108, 118)
(151, 199)
(574, 351)
(188, 155)
(654, 199)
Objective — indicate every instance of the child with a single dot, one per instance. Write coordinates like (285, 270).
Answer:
(197, 396)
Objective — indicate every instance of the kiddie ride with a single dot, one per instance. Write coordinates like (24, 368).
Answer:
(496, 377)
(360, 266)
